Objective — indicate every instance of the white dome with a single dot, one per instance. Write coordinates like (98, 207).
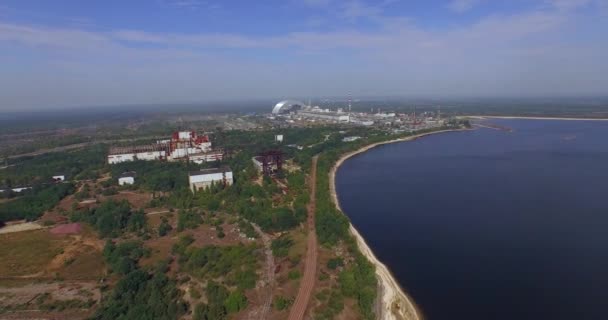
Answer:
(286, 106)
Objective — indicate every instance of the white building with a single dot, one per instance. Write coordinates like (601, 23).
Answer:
(205, 178)
(324, 115)
(205, 157)
(16, 189)
(59, 177)
(278, 138)
(181, 145)
(351, 138)
(148, 152)
(126, 178)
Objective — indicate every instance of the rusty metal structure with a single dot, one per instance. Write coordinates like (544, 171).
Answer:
(270, 160)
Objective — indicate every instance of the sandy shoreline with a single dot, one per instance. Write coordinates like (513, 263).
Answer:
(390, 293)
(538, 118)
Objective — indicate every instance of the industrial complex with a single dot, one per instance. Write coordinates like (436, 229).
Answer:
(295, 112)
(189, 146)
(183, 145)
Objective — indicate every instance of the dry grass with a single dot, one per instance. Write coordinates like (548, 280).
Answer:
(39, 254)
(28, 253)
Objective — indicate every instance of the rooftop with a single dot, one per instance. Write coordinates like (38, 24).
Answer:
(209, 171)
(129, 174)
(141, 148)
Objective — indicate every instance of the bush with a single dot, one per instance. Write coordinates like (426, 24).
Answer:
(282, 303)
(188, 220)
(235, 302)
(113, 218)
(164, 227)
(294, 274)
(335, 263)
(280, 247)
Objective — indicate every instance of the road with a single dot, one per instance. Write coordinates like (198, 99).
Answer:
(77, 146)
(310, 265)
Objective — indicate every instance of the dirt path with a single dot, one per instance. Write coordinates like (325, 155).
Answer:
(310, 268)
(262, 311)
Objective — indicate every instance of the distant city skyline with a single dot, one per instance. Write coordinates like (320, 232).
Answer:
(69, 53)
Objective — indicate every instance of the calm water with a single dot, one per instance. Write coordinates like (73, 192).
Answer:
(490, 224)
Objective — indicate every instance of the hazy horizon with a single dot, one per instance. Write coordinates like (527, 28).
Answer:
(68, 54)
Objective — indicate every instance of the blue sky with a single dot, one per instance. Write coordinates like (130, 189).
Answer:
(66, 53)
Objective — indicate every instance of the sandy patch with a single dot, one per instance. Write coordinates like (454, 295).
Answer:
(26, 226)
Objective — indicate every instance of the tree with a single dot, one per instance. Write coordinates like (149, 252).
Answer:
(235, 302)
(164, 227)
(216, 295)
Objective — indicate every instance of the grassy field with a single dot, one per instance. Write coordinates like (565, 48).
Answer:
(28, 253)
(39, 254)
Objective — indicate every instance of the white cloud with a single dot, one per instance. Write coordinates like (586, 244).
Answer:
(503, 54)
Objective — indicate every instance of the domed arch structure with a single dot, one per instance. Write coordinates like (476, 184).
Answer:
(287, 106)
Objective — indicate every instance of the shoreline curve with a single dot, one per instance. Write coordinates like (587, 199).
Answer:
(392, 301)
(535, 118)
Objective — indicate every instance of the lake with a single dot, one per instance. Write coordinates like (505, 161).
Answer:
(489, 224)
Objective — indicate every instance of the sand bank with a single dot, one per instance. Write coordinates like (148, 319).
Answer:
(393, 303)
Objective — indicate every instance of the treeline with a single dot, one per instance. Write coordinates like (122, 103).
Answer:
(76, 165)
(156, 175)
(139, 294)
(112, 218)
(35, 202)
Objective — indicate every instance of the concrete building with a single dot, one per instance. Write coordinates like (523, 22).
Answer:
(157, 151)
(257, 163)
(287, 106)
(181, 145)
(127, 178)
(325, 115)
(59, 177)
(205, 157)
(278, 138)
(203, 179)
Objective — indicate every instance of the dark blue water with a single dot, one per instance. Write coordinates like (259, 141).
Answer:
(489, 224)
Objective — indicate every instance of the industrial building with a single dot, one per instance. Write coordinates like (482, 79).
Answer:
(203, 179)
(126, 178)
(298, 110)
(287, 106)
(324, 114)
(269, 162)
(145, 152)
(204, 157)
(183, 145)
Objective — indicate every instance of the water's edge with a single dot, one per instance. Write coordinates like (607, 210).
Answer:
(392, 301)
